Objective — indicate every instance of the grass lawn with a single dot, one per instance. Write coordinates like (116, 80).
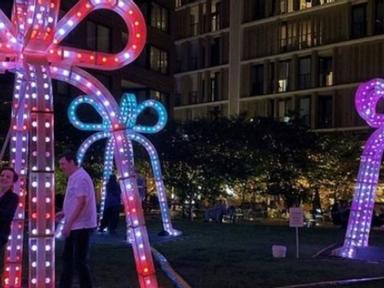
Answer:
(227, 255)
(234, 255)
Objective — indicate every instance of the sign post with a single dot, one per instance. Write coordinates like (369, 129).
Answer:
(296, 219)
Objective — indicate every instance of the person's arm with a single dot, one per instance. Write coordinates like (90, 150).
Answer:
(70, 219)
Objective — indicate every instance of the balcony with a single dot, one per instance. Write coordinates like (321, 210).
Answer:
(193, 97)
(304, 81)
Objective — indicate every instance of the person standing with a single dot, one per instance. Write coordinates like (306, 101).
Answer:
(112, 206)
(8, 206)
(8, 202)
(79, 212)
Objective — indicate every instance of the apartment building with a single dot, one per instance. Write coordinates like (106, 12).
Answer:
(277, 58)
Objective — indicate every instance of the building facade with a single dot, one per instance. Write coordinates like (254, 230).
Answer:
(277, 58)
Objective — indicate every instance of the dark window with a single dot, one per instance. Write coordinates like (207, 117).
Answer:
(379, 17)
(305, 110)
(105, 80)
(259, 9)
(202, 94)
(326, 72)
(159, 17)
(359, 20)
(214, 87)
(271, 108)
(305, 34)
(325, 112)
(158, 60)
(98, 37)
(257, 79)
(194, 20)
(283, 37)
(271, 78)
(62, 88)
(304, 78)
(215, 52)
(202, 56)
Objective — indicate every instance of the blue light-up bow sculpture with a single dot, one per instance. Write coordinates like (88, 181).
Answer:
(127, 116)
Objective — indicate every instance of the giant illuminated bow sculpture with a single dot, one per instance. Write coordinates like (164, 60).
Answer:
(367, 98)
(29, 46)
(128, 114)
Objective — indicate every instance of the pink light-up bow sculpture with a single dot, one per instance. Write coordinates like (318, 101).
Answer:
(367, 98)
(30, 47)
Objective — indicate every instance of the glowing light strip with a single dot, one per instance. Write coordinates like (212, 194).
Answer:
(127, 117)
(129, 191)
(19, 155)
(367, 98)
(29, 45)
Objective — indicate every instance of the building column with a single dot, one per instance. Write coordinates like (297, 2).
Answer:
(266, 77)
(293, 74)
(314, 69)
(371, 18)
(314, 111)
(275, 85)
(334, 66)
(235, 48)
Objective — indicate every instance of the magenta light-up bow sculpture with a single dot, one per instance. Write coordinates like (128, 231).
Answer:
(367, 98)
(129, 113)
(30, 47)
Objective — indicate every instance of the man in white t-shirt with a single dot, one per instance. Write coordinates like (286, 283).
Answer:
(79, 212)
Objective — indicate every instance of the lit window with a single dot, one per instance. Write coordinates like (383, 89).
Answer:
(158, 60)
(159, 17)
(283, 76)
(215, 16)
(304, 4)
(284, 109)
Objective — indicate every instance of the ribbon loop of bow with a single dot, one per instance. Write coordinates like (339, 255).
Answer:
(34, 29)
(128, 115)
(368, 96)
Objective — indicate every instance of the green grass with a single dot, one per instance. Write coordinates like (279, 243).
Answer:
(214, 255)
(233, 256)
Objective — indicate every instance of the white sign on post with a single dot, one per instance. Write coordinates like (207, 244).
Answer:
(296, 219)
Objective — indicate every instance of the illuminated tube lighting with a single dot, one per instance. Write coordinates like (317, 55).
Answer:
(129, 112)
(367, 98)
(34, 31)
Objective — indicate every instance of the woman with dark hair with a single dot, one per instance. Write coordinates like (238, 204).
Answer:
(8, 206)
(8, 202)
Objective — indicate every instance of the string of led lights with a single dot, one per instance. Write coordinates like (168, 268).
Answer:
(128, 113)
(367, 98)
(30, 47)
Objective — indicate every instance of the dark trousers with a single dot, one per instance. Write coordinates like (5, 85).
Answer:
(75, 257)
(110, 218)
